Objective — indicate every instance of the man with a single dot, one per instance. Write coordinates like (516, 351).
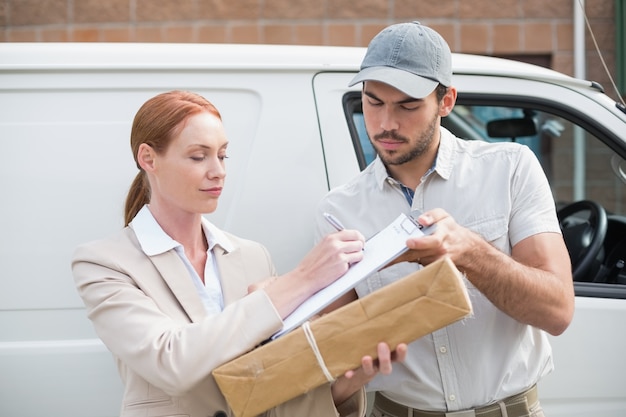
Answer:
(495, 218)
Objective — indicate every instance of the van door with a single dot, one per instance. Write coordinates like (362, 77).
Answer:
(341, 159)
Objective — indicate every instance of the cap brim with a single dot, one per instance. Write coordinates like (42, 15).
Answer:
(409, 83)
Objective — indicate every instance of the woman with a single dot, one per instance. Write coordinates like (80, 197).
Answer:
(173, 297)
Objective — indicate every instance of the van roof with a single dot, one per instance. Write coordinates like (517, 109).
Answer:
(26, 56)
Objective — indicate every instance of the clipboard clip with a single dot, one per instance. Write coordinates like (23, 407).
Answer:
(415, 213)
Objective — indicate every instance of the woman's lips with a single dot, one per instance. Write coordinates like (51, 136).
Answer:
(213, 191)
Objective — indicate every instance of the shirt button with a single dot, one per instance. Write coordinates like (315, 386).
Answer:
(443, 349)
(452, 397)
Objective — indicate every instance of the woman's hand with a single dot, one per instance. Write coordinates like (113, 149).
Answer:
(326, 262)
(352, 381)
(332, 257)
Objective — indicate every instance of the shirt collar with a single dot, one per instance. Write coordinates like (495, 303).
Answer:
(443, 163)
(445, 154)
(154, 240)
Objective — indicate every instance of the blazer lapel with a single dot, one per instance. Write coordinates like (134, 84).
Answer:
(175, 274)
(233, 275)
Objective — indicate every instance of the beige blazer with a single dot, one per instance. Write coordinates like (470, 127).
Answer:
(148, 314)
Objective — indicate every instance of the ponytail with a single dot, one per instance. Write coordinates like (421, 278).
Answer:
(138, 196)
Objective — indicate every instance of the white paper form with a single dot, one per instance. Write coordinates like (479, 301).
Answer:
(379, 250)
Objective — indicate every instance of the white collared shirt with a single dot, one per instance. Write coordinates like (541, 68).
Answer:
(500, 192)
(154, 241)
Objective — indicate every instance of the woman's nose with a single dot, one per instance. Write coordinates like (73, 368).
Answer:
(216, 170)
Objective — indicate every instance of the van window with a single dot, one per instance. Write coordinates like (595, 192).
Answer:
(552, 137)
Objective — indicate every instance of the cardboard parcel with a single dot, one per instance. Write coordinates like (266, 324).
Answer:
(328, 346)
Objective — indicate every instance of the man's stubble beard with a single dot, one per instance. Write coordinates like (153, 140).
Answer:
(420, 147)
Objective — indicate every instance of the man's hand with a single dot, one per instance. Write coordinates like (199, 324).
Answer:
(352, 381)
(449, 239)
(533, 284)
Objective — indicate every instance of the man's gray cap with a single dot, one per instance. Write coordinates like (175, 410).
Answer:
(408, 56)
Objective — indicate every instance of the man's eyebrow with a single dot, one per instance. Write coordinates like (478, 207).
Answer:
(371, 95)
(404, 101)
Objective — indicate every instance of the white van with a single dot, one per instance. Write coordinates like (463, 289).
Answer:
(296, 131)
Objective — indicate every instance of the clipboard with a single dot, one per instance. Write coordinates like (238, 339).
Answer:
(379, 250)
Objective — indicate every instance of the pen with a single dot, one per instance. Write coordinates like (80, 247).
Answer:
(334, 222)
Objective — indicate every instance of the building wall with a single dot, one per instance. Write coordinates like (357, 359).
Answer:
(534, 30)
